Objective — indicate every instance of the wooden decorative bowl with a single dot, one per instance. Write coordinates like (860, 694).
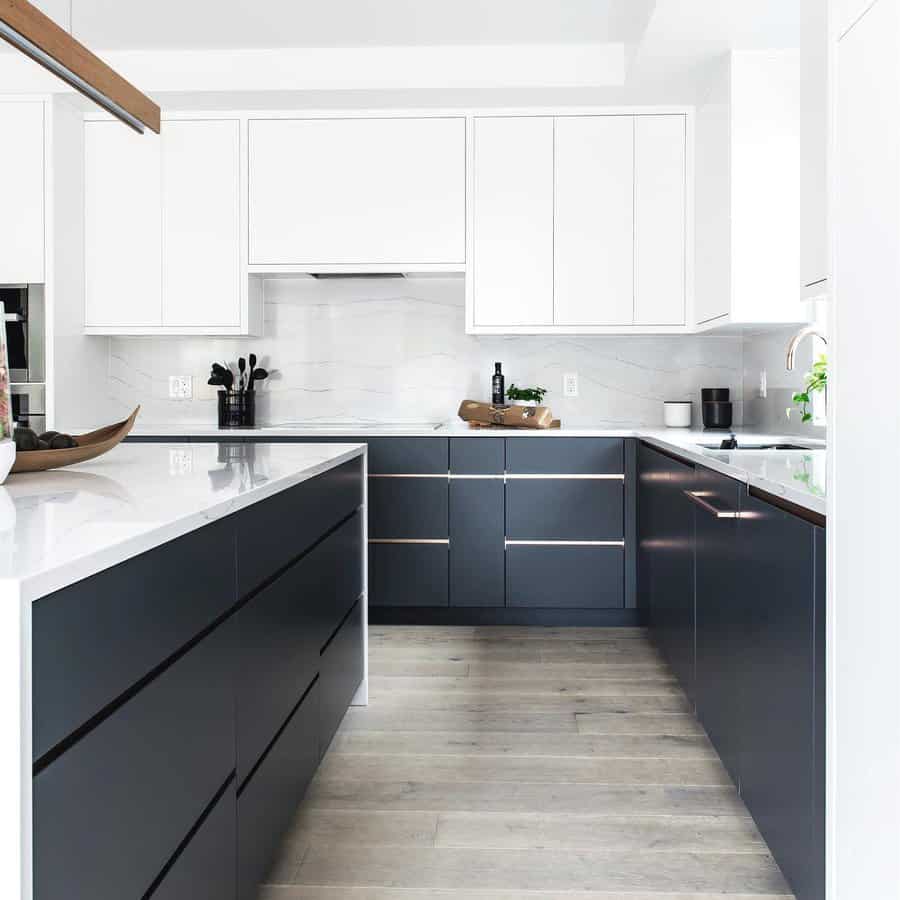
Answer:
(89, 446)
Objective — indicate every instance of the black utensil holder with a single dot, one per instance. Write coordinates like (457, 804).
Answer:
(237, 409)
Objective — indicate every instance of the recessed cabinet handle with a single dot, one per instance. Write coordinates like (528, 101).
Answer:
(699, 497)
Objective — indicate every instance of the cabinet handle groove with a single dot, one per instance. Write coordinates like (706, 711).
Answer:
(698, 497)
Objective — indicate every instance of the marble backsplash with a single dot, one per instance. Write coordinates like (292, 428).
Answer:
(396, 350)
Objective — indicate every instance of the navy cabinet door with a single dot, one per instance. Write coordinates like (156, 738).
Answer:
(477, 536)
(670, 549)
(408, 574)
(779, 779)
(719, 625)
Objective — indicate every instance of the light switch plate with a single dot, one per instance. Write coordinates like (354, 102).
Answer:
(570, 384)
(181, 387)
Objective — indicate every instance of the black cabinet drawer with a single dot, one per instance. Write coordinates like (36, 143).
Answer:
(341, 673)
(565, 577)
(408, 574)
(338, 564)
(477, 456)
(279, 657)
(408, 507)
(477, 557)
(563, 456)
(111, 811)
(408, 456)
(267, 802)
(205, 869)
(88, 650)
(565, 509)
(274, 532)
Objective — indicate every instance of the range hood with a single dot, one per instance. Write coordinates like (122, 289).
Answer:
(40, 38)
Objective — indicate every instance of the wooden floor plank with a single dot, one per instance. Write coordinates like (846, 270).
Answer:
(559, 870)
(652, 669)
(662, 686)
(539, 831)
(524, 704)
(614, 723)
(388, 718)
(324, 892)
(662, 746)
(594, 799)
(525, 770)
(405, 634)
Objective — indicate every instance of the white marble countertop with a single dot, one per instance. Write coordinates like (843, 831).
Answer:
(795, 475)
(61, 526)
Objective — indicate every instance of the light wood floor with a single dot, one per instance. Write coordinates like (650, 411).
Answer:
(499, 763)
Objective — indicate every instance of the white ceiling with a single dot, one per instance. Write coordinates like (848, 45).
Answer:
(218, 24)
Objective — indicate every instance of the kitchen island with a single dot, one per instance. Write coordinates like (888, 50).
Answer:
(183, 629)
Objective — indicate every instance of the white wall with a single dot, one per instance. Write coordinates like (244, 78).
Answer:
(377, 349)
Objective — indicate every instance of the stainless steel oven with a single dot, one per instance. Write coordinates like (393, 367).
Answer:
(25, 342)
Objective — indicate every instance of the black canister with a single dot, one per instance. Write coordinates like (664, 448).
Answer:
(717, 414)
(237, 409)
(717, 394)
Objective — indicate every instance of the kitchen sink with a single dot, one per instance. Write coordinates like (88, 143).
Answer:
(759, 447)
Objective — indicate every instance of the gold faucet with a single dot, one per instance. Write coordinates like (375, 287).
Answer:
(810, 330)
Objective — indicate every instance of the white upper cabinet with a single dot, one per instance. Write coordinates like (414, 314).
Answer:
(594, 221)
(579, 224)
(659, 220)
(814, 130)
(370, 192)
(122, 228)
(748, 193)
(512, 263)
(22, 165)
(163, 232)
(201, 279)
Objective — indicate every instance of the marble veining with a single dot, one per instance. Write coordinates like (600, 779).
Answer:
(61, 526)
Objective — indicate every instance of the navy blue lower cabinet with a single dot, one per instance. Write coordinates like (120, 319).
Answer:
(111, 811)
(409, 574)
(205, 868)
(565, 577)
(564, 509)
(341, 672)
(666, 525)
(720, 626)
(554, 455)
(477, 541)
(782, 746)
(408, 507)
(267, 802)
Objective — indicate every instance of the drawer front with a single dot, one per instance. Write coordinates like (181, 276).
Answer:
(273, 533)
(408, 456)
(341, 674)
(477, 553)
(564, 456)
(110, 812)
(339, 568)
(408, 507)
(408, 574)
(206, 867)
(267, 803)
(279, 647)
(477, 456)
(565, 577)
(94, 640)
(565, 509)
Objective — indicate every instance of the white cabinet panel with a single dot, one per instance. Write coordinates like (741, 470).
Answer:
(847, 12)
(594, 220)
(201, 284)
(357, 191)
(123, 227)
(659, 220)
(512, 280)
(22, 165)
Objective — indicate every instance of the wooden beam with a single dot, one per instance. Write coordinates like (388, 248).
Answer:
(44, 33)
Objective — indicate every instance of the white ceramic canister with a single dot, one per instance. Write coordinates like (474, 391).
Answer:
(677, 413)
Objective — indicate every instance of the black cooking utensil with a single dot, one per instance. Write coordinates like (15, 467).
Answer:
(252, 370)
(242, 367)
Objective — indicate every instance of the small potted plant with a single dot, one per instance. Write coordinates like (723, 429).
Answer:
(525, 396)
(815, 382)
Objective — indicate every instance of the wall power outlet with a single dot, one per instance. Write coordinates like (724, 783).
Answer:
(181, 387)
(570, 384)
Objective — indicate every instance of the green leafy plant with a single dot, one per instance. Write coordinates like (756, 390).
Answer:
(526, 394)
(815, 381)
